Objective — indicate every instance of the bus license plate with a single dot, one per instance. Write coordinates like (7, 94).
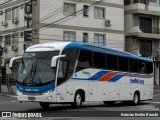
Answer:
(31, 98)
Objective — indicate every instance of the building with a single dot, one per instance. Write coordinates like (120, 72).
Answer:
(95, 24)
(63, 20)
(142, 29)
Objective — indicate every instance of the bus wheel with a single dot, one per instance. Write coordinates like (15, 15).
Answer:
(44, 105)
(136, 98)
(77, 100)
(109, 102)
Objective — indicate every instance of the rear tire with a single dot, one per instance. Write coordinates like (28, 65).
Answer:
(109, 102)
(77, 100)
(44, 105)
(136, 99)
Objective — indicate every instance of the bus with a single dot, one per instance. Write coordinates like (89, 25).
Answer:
(77, 72)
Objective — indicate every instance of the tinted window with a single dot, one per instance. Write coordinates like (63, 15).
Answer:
(123, 63)
(149, 66)
(133, 65)
(142, 66)
(85, 60)
(67, 64)
(99, 60)
(112, 62)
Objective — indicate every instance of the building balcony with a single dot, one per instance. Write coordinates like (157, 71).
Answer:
(141, 8)
(150, 33)
(152, 30)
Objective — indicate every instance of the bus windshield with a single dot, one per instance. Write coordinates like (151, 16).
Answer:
(35, 68)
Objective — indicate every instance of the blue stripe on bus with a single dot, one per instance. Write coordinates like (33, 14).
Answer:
(39, 89)
(115, 78)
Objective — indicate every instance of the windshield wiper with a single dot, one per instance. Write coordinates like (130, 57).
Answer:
(32, 75)
(28, 75)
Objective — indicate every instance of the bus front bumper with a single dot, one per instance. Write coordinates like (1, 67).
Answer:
(35, 98)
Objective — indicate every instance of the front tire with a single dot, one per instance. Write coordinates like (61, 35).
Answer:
(77, 100)
(44, 105)
(136, 99)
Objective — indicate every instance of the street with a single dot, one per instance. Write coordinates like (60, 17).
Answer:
(87, 110)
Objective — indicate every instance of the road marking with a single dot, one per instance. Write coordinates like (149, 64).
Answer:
(13, 101)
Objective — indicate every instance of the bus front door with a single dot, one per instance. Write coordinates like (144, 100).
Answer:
(61, 84)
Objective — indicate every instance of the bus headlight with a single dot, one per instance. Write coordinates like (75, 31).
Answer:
(48, 92)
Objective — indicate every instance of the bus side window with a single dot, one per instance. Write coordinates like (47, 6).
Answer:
(149, 66)
(142, 67)
(99, 60)
(133, 65)
(85, 60)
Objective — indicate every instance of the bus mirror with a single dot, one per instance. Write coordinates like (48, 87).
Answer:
(12, 61)
(54, 60)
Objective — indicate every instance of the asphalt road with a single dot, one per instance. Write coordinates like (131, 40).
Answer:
(88, 110)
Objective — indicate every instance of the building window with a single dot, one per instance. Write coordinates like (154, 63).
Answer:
(69, 36)
(85, 11)
(99, 39)
(8, 14)
(69, 8)
(8, 40)
(99, 12)
(15, 12)
(127, 2)
(145, 47)
(15, 41)
(85, 37)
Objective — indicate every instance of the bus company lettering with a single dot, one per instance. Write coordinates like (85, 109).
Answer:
(85, 73)
(135, 80)
(42, 47)
(31, 90)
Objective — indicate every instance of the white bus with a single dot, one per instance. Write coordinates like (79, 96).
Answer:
(74, 72)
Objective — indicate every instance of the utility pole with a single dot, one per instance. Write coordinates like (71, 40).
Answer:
(28, 18)
(35, 18)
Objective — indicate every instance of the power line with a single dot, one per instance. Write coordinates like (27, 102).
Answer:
(71, 15)
(52, 14)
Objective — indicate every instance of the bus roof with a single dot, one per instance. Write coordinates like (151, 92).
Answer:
(105, 49)
(62, 45)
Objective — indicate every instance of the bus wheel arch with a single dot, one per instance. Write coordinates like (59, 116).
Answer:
(136, 97)
(79, 97)
(44, 105)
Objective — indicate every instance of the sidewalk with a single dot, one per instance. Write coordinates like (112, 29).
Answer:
(5, 92)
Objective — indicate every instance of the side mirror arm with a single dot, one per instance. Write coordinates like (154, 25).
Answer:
(54, 60)
(12, 60)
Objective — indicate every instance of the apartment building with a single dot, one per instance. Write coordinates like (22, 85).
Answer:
(92, 21)
(97, 23)
(142, 29)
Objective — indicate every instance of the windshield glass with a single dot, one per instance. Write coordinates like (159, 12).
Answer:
(35, 68)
